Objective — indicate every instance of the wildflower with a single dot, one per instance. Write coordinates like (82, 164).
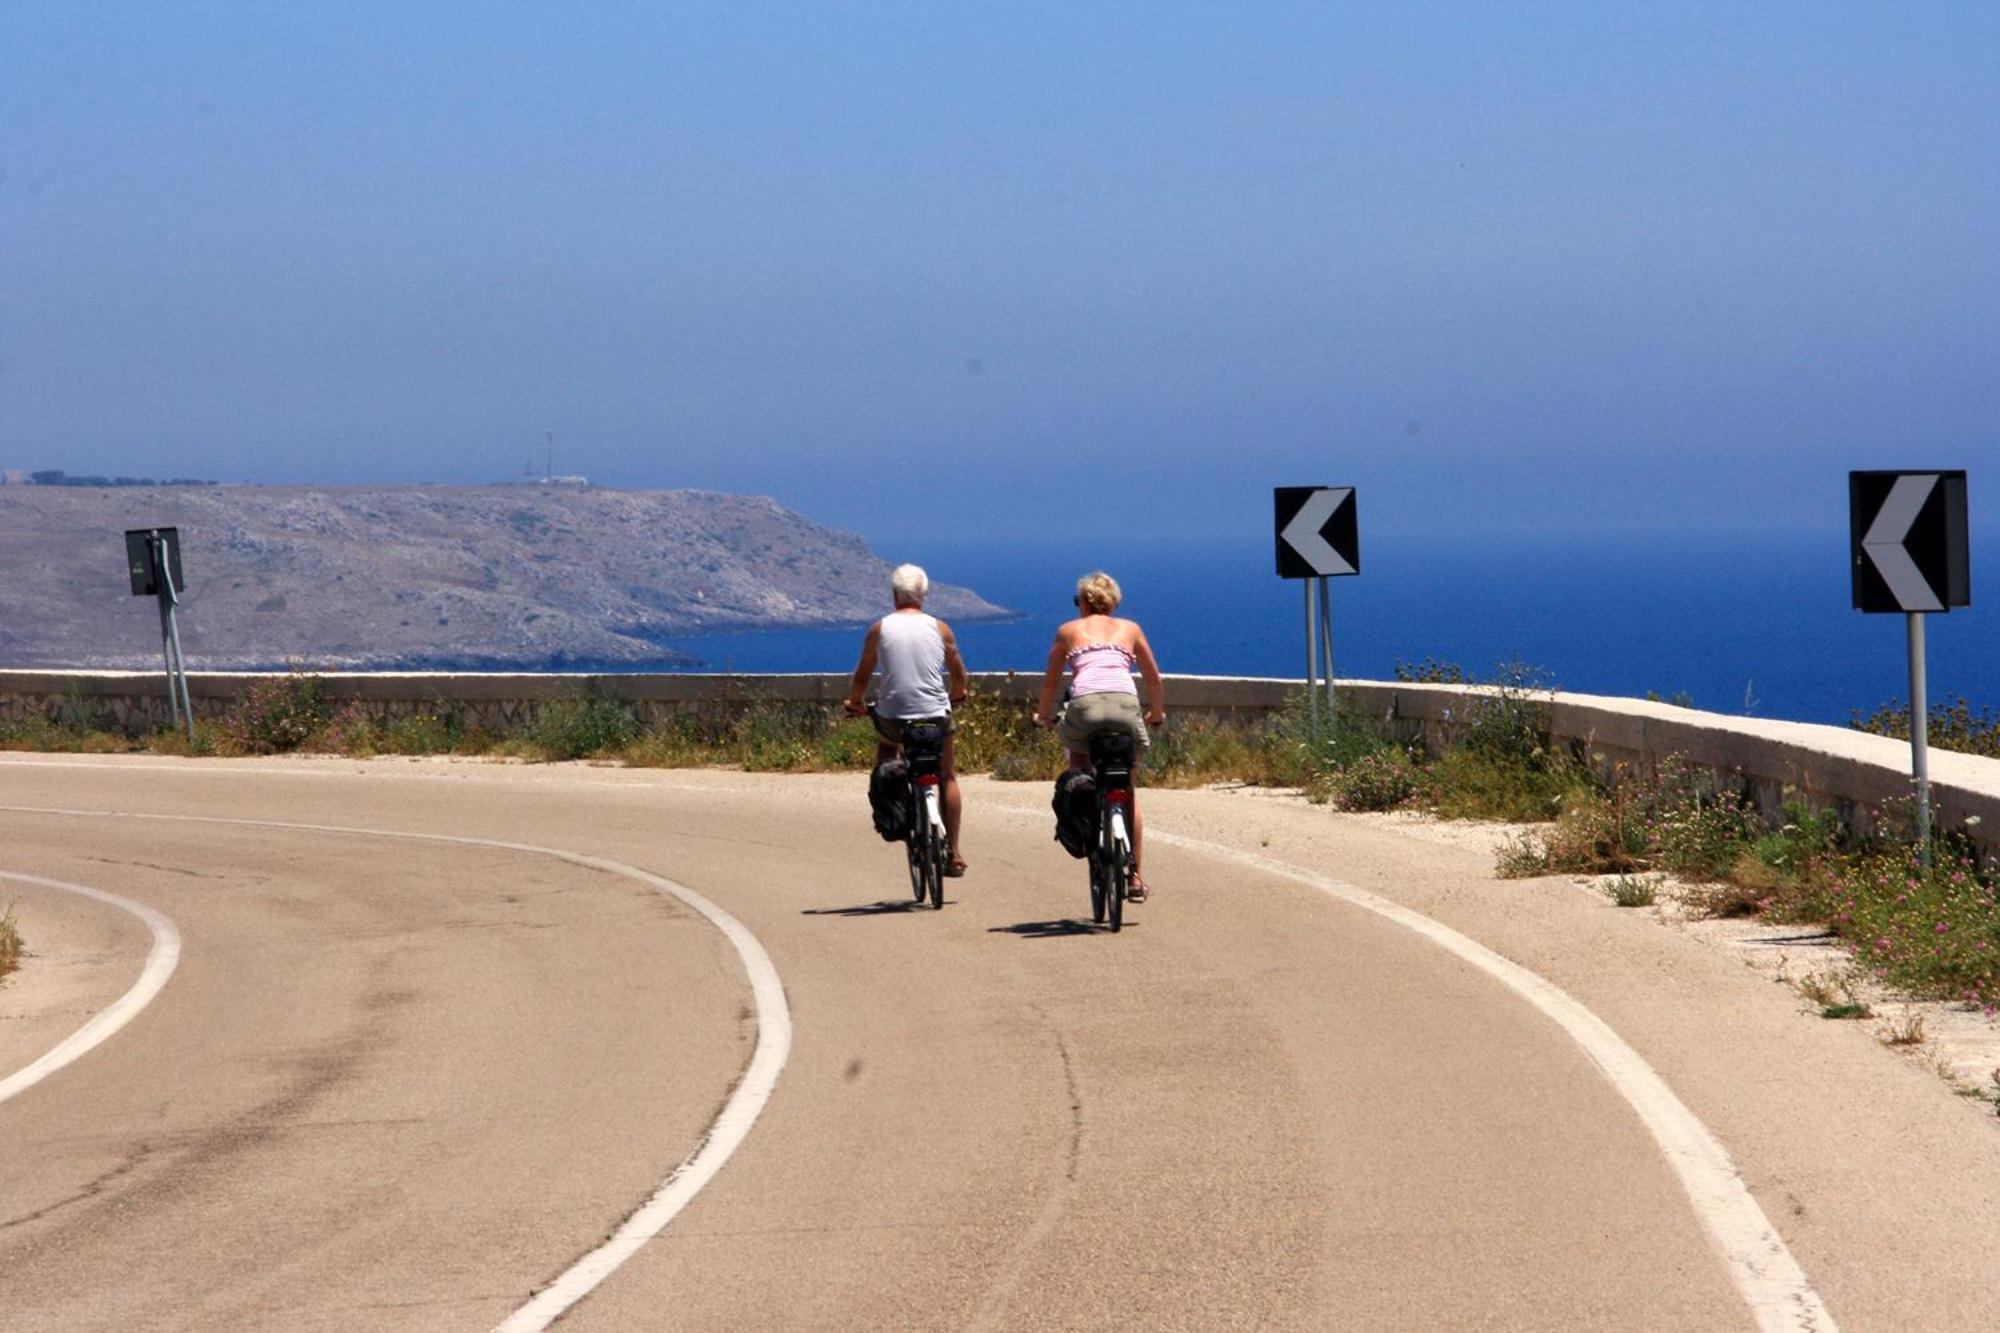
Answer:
(1941, 928)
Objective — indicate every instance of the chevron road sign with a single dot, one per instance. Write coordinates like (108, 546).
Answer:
(1909, 544)
(1317, 532)
(1909, 555)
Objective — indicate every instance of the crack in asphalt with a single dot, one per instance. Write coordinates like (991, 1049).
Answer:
(990, 1313)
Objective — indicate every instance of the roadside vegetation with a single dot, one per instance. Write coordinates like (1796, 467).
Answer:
(1932, 933)
(1952, 725)
(10, 943)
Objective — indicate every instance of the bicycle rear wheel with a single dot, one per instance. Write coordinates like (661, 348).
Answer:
(1097, 878)
(1114, 892)
(919, 881)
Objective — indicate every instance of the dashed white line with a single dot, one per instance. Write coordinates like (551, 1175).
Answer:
(161, 960)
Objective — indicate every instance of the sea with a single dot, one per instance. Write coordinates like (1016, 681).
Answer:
(1758, 624)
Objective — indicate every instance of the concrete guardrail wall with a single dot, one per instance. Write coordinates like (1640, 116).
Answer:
(1826, 766)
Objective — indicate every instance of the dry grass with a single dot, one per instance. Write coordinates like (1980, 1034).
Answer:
(10, 942)
(1834, 993)
(1634, 890)
(1905, 1031)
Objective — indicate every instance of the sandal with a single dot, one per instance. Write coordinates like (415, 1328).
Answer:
(956, 868)
(1135, 891)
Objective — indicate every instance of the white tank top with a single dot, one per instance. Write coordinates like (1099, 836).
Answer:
(911, 652)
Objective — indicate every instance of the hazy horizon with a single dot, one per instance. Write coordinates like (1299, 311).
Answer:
(950, 271)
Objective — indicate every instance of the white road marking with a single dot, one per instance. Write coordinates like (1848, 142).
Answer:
(725, 1133)
(1769, 1279)
(161, 960)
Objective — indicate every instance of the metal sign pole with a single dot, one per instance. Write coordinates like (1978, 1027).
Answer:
(167, 651)
(1326, 641)
(177, 686)
(1920, 738)
(181, 672)
(1312, 659)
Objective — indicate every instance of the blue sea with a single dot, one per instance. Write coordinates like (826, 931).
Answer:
(1749, 624)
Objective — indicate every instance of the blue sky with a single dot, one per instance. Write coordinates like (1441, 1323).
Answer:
(1011, 270)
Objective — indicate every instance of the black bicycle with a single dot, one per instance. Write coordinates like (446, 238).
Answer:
(1110, 854)
(925, 840)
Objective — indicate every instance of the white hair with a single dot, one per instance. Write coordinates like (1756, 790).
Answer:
(910, 585)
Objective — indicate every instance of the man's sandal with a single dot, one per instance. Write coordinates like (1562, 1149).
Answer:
(955, 868)
(1135, 891)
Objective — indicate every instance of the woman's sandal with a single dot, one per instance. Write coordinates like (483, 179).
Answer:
(956, 867)
(1135, 890)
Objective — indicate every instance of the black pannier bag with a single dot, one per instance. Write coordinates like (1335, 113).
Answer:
(1075, 804)
(889, 796)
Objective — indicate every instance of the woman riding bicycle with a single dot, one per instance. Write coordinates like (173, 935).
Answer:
(1101, 651)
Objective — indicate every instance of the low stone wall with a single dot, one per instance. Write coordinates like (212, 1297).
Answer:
(1829, 767)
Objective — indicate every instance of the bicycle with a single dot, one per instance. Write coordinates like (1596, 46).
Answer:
(925, 840)
(1110, 855)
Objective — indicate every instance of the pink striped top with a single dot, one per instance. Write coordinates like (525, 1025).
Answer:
(1102, 668)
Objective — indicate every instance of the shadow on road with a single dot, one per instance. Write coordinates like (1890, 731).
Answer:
(885, 908)
(1051, 930)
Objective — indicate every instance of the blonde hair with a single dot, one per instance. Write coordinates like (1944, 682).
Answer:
(909, 585)
(1097, 592)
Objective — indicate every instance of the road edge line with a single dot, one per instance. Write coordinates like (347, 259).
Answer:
(161, 960)
(1765, 1273)
(746, 1101)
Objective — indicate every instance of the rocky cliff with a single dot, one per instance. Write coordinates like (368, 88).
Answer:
(515, 577)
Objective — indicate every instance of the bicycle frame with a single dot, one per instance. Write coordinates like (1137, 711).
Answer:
(1111, 759)
(923, 751)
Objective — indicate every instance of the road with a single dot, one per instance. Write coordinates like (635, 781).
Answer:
(403, 1083)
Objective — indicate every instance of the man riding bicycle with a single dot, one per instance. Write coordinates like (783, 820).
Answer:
(917, 652)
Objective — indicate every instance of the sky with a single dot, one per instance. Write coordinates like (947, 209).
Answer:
(1012, 270)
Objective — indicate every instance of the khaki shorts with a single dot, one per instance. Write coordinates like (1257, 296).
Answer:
(890, 729)
(1113, 710)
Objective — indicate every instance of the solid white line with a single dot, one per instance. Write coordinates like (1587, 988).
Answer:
(725, 1133)
(161, 960)
(1769, 1279)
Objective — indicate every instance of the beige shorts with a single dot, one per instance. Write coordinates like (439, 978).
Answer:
(1113, 710)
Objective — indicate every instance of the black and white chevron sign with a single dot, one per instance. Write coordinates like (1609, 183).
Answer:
(1317, 532)
(1909, 544)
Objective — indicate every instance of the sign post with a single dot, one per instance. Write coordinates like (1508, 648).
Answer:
(1318, 538)
(1909, 555)
(153, 557)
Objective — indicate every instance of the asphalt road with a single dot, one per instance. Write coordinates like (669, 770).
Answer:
(402, 1083)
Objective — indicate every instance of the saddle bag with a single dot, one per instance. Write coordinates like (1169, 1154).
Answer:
(889, 797)
(1114, 752)
(1075, 804)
